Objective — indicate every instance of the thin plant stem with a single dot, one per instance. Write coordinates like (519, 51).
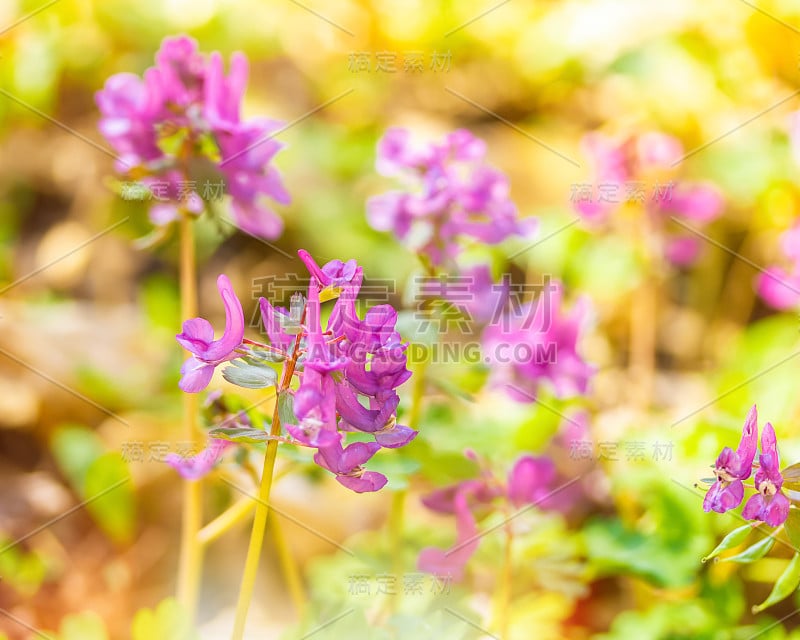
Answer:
(291, 573)
(233, 515)
(397, 510)
(504, 590)
(644, 314)
(262, 506)
(191, 552)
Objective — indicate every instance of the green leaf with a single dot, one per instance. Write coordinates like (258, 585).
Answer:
(83, 626)
(109, 494)
(754, 552)
(785, 586)
(240, 434)
(250, 376)
(733, 539)
(792, 527)
(167, 622)
(791, 477)
(286, 408)
(75, 448)
(264, 355)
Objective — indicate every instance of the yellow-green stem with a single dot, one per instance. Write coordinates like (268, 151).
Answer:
(256, 542)
(643, 325)
(233, 515)
(238, 512)
(291, 573)
(191, 552)
(397, 512)
(504, 589)
(262, 507)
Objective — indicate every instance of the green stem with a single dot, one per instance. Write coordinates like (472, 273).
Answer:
(225, 521)
(262, 507)
(397, 510)
(191, 553)
(504, 590)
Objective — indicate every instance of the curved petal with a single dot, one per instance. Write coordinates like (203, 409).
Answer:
(369, 481)
(234, 323)
(195, 375)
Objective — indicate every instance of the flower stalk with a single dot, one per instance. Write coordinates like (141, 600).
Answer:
(191, 558)
(262, 506)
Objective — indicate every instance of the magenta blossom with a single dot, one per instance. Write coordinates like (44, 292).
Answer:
(337, 379)
(177, 129)
(732, 467)
(197, 337)
(769, 505)
(538, 342)
(529, 484)
(347, 463)
(642, 169)
(451, 195)
(779, 286)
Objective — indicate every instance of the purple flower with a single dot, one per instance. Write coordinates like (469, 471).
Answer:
(315, 399)
(530, 480)
(451, 195)
(529, 483)
(769, 505)
(197, 337)
(181, 119)
(194, 467)
(732, 467)
(647, 161)
(538, 342)
(779, 287)
(347, 463)
(453, 561)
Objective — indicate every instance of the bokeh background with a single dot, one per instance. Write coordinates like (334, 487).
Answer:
(89, 366)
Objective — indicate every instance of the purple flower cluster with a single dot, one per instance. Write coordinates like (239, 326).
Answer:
(779, 286)
(349, 372)
(769, 504)
(648, 160)
(450, 194)
(180, 123)
(529, 483)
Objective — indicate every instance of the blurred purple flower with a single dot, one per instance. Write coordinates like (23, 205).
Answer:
(197, 337)
(179, 126)
(538, 342)
(769, 505)
(451, 194)
(529, 483)
(780, 287)
(194, 467)
(622, 172)
(732, 467)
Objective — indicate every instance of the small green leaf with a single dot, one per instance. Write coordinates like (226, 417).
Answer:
(109, 495)
(250, 376)
(257, 356)
(791, 476)
(754, 552)
(785, 586)
(83, 626)
(75, 448)
(240, 434)
(792, 527)
(286, 408)
(733, 539)
(167, 622)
